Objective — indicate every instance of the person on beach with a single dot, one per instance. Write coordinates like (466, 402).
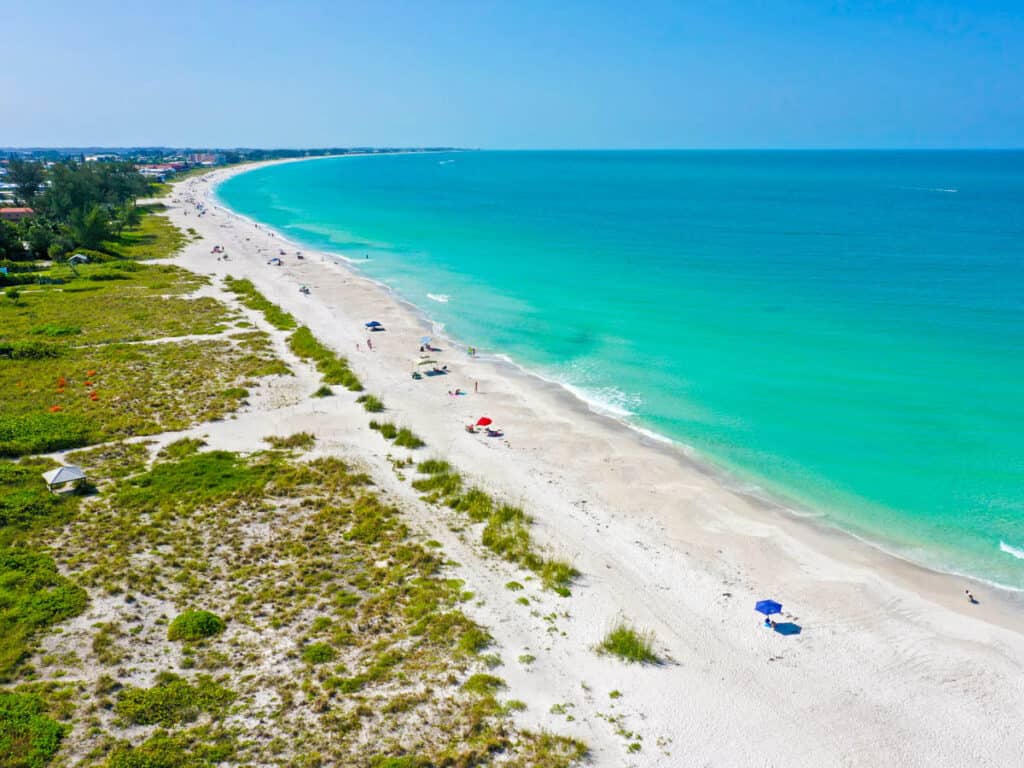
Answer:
(357, 347)
(476, 387)
(971, 598)
(369, 345)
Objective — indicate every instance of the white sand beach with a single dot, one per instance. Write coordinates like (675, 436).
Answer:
(891, 664)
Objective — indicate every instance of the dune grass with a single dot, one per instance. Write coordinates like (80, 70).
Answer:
(629, 644)
(506, 530)
(253, 299)
(301, 440)
(332, 368)
(371, 403)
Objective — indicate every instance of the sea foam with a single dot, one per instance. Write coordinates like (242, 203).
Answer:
(1018, 553)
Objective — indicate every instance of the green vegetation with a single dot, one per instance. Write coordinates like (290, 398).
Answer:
(301, 440)
(195, 625)
(28, 736)
(173, 701)
(629, 644)
(370, 403)
(323, 391)
(77, 206)
(506, 528)
(318, 653)
(333, 369)
(196, 748)
(253, 299)
(33, 596)
(63, 395)
(404, 438)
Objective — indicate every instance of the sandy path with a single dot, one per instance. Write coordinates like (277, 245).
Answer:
(891, 667)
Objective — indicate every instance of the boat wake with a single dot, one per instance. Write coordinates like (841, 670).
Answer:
(439, 297)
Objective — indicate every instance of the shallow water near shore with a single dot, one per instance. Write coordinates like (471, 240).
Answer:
(842, 328)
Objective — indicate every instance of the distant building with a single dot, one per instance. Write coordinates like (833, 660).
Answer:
(103, 158)
(15, 214)
(205, 158)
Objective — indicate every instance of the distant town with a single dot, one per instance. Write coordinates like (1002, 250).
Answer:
(162, 163)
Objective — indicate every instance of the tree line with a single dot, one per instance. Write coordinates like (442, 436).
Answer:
(76, 205)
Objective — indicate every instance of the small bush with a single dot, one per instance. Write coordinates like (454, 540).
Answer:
(371, 403)
(629, 645)
(195, 625)
(318, 653)
(323, 391)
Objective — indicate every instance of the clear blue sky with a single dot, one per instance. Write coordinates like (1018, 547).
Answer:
(513, 74)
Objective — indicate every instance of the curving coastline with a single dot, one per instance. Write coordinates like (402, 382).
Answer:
(658, 535)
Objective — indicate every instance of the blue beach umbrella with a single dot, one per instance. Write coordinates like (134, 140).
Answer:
(768, 607)
(425, 339)
(373, 324)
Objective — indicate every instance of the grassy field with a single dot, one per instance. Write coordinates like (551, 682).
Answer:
(368, 643)
(73, 378)
(199, 607)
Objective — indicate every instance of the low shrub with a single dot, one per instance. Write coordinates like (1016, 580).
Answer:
(323, 391)
(28, 737)
(318, 653)
(195, 625)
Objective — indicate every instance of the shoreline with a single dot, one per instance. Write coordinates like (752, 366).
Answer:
(732, 479)
(661, 540)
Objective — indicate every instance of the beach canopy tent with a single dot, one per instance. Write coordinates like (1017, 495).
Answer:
(374, 324)
(64, 478)
(483, 421)
(768, 607)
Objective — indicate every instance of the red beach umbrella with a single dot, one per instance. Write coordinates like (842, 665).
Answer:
(483, 421)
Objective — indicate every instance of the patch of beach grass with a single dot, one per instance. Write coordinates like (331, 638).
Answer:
(173, 700)
(332, 368)
(371, 403)
(300, 440)
(253, 299)
(506, 527)
(629, 644)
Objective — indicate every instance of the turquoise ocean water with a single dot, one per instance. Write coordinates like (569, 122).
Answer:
(845, 329)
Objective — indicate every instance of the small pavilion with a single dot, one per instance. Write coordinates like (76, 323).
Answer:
(64, 479)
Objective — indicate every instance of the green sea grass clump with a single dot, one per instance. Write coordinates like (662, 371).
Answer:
(195, 625)
(630, 644)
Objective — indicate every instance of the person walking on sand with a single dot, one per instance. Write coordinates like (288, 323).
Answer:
(369, 345)
(476, 387)
(357, 347)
